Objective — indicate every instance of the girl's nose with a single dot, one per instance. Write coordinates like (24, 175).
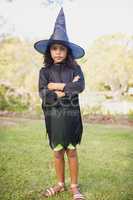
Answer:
(58, 51)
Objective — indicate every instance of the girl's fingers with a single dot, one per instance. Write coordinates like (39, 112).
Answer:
(60, 86)
(52, 86)
(60, 94)
(56, 86)
(49, 86)
(76, 78)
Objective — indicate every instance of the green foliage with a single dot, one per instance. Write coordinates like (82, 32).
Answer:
(12, 100)
(110, 60)
(19, 64)
(130, 114)
(103, 87)
(128, 98)
(107, 66)
(54, 2)
(88, 110)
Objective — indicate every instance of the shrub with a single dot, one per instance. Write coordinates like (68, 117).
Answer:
(12, 99)
(130, 114)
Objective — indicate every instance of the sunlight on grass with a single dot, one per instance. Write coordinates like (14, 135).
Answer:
(26, 162)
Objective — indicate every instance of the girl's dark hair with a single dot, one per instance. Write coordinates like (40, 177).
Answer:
(69, 61)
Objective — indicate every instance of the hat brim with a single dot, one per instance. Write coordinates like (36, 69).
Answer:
(42, 45)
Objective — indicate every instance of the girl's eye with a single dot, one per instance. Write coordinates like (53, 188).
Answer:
(62, 48)
(58, 48)
(54, 48)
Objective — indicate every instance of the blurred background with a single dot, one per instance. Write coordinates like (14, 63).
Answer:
(103, 28)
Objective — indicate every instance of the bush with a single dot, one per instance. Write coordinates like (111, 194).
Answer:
(89, 110)
(130, 114)
(12, 99)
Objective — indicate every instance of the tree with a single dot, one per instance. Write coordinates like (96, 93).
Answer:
(50, 2)
(110, 62)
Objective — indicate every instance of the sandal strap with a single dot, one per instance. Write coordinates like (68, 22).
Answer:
(52, 191)
(61, 184)
(78, 196)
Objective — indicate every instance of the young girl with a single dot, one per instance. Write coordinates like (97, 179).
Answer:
(60, 82)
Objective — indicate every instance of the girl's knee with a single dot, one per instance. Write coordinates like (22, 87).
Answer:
(71, 153)
(59, 154)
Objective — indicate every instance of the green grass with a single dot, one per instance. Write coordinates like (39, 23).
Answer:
(26, 162)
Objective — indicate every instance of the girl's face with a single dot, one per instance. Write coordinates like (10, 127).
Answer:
(58, 52)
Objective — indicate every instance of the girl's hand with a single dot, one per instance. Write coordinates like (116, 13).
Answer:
(51, 86)
(60, 94)
(60, 86)
(76, 78)
(56, 86)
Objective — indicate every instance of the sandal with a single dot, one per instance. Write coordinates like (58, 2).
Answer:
(54, 190)
(76, 192)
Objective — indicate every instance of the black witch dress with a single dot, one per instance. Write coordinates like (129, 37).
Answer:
(62, 114)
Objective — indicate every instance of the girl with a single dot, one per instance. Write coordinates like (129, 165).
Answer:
(60, 82)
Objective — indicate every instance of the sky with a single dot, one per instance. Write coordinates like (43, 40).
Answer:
(86, 20)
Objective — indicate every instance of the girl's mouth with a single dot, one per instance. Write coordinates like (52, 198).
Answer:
(58, 57)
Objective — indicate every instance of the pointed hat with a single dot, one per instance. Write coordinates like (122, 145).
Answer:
(59, 36)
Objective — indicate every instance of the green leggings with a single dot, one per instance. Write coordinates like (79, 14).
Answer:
(59, 147)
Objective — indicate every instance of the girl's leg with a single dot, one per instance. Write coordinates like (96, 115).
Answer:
(60, 168)
(74, 167)
(73, 164)
(60, 165)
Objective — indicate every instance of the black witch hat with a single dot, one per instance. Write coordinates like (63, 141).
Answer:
(60, 36)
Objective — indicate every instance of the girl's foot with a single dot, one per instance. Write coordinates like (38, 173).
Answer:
(54, 190)
(76, 192)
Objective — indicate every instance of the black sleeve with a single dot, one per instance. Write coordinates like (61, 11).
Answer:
(47, 96)
(77, 86)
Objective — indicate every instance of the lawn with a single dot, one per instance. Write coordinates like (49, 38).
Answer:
(26, 161)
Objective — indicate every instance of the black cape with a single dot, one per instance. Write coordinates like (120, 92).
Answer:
(62, 114)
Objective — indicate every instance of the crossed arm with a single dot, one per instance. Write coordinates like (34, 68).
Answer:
(49, 91)
(58, 87)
